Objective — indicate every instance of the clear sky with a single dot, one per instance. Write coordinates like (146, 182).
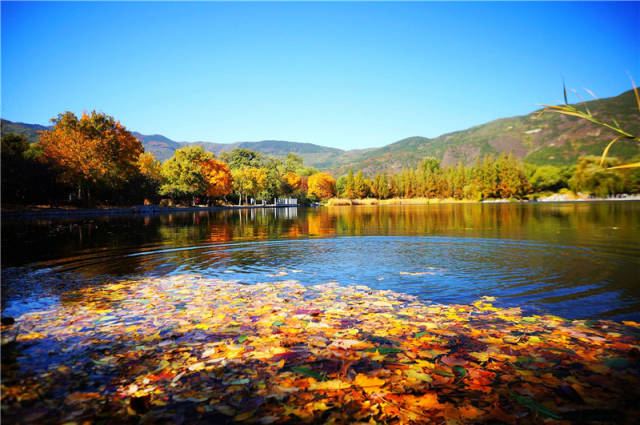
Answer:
(347, 75)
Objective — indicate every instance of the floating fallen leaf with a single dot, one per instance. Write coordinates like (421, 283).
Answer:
(282, 352)
(368, 381)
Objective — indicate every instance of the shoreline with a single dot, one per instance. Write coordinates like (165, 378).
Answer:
(337, 202)
(155, 210)
(135, 210)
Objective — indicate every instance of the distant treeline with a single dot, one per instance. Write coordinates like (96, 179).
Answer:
(95, 160)
(491, 178)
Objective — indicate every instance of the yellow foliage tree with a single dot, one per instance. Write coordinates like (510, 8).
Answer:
(218, 178)
(249, 181)
(149, 166)
(292, 182)
(322, 186)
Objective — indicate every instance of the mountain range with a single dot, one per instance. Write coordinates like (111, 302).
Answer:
(549, 139)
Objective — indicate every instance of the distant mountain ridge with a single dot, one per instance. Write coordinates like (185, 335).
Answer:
(550, 139)
(30, 131)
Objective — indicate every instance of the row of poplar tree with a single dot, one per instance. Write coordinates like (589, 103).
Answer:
(94, 159)
(492, 178)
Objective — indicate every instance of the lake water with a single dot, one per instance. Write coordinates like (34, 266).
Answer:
(575, 260)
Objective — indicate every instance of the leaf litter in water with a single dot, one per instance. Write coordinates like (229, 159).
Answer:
(189, 350)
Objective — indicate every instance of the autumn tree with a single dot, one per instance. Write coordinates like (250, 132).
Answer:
(322, 186)
(292, 182)
(149, 166)
(428, 178)
(512, 182)
(217, 176)
(407, 183)
(485, 178)
(91, 151)
(360, 186)
(380, 188)
(248, 181)
(348, 186)
(461, 178)
(147, 184)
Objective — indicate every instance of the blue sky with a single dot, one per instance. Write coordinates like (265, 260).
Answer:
(347, 75)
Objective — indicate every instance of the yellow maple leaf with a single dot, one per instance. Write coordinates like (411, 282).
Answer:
(363, 380)
(333, 384)
(428, 401)
(418, 376)
(482, 357)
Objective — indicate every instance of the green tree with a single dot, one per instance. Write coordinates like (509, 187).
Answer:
(549, 178)
(429, 164)
(293, 163)
(183, 174)
(274, 185)
(240, 158)
(26, 177)
(593, 177)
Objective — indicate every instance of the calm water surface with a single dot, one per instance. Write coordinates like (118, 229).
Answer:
(576, 260)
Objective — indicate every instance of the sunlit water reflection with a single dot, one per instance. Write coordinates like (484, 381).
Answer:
(572, 260)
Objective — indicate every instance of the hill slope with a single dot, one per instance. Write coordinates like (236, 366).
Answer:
(551, 139)
(313, 155)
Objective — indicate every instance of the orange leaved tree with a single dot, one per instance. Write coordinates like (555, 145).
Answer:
(218, 178)
(322, 186)
(292, 182)
(95, 150)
